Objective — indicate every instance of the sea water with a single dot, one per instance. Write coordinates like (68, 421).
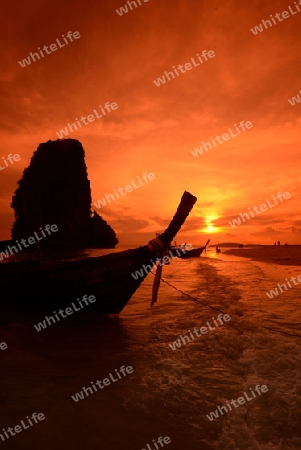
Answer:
(171, 391)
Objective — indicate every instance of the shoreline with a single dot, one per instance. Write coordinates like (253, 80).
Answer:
(288, 255)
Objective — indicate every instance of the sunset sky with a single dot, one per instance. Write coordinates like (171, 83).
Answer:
(154, 128)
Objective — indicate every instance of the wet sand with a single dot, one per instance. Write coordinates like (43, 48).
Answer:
(289, 255)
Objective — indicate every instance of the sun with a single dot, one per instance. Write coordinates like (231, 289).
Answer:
(210, 228)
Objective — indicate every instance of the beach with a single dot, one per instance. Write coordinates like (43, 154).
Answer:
(289, 255)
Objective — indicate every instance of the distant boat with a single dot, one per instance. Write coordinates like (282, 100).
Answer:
(194, 253)
(181, 252)
(109, 278)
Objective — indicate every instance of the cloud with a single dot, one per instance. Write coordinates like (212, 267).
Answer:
(122, 222)
(296, 230)
(154, 129)
(162, 222)
(268, 232)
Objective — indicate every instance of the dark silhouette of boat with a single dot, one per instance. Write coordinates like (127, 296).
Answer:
(109, 278)
(194, 253)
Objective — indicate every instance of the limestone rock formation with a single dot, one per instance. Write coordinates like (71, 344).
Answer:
(97, 237)
(55, 189)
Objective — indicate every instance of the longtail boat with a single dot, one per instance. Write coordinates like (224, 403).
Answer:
(109, 278)
(194, 253)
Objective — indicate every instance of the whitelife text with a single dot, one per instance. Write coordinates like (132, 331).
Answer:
(53, 48)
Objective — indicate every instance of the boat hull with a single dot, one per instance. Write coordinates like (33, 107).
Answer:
(109, 278)
(112, 278)
(194, 253)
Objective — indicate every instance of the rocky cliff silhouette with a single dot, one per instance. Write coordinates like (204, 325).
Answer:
(55, 189)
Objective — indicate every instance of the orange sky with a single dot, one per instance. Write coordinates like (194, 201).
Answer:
(154, 128)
